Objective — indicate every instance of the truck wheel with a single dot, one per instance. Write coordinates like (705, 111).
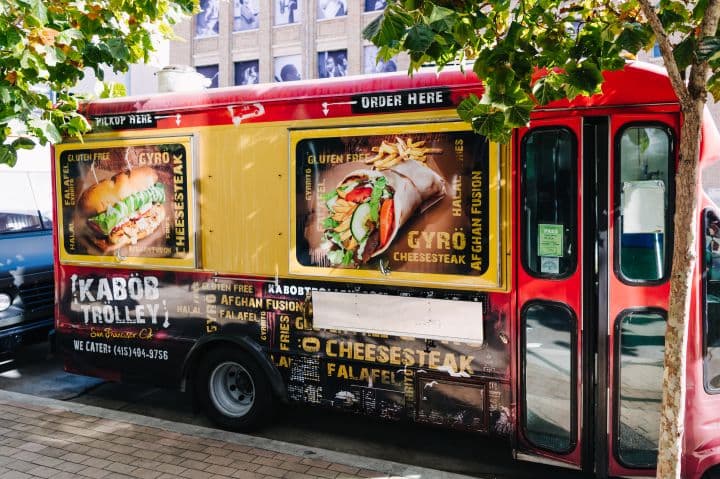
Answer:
(234, 391)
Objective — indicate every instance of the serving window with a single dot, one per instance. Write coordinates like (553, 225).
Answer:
(408, 204)
(127, 201)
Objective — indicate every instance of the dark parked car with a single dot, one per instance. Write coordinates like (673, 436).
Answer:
(26, 258)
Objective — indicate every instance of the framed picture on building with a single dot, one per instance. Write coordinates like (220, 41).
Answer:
(206, 22)
(288, 68)
(246, 73)
(287, 11)
(375, 5)
(211, 72)
(331, 9)
(372, 64)
(332, 64)
(245, 15)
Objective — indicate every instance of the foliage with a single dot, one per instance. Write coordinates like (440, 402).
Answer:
(46, 45)
(510, 42)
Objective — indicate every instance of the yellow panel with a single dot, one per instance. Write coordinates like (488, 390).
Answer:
(243, 178)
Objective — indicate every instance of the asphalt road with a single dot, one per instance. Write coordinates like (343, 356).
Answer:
(34, 371)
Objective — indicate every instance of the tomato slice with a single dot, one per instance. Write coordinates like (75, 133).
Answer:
(359, 194)
(387, 221)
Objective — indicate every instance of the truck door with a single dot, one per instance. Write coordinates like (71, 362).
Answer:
(640, 202)
(550, 291)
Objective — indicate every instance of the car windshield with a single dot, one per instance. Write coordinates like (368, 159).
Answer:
(25, 201)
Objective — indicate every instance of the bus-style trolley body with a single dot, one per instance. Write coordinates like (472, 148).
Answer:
(350, 243)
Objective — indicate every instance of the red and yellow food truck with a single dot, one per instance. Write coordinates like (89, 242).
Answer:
(350, 243)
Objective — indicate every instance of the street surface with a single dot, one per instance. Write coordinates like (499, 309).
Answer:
(34, 371)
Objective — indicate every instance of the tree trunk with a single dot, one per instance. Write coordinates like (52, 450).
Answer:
(683, 263)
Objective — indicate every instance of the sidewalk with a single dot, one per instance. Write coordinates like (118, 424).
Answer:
(48, 438)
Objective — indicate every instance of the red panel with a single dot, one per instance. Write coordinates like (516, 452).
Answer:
(305, 99)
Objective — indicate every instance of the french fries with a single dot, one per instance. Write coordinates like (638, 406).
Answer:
(391, 154)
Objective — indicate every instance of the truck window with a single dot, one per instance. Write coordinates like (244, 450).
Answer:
(549, 202)
(711, 283)
(644, 153)
(641, 350)
(548, 376)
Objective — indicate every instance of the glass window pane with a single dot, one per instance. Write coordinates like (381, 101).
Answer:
(18, 209)
(549, 202)
(712, 302)
(643, 185)
(642, 346)
(548, 377)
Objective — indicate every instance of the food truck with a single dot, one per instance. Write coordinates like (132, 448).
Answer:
(350, 243)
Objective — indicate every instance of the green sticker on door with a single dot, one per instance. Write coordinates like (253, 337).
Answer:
(550, 240)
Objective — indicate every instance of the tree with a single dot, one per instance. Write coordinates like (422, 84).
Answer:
(47, 44)
(570, 43)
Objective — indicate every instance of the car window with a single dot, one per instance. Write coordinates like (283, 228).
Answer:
(25, 202)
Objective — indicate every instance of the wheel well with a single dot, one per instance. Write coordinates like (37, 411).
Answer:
(202, 347)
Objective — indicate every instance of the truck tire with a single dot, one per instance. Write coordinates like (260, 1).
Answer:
(234, 392)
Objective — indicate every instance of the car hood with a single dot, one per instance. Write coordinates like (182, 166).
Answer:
(25, 258)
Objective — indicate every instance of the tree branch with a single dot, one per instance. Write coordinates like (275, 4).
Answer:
(667, 51)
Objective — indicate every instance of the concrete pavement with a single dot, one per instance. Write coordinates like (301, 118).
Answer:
(47, 438)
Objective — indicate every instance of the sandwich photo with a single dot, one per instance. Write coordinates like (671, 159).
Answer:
(123, 209)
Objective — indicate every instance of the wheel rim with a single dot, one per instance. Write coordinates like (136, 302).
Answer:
(232, 389)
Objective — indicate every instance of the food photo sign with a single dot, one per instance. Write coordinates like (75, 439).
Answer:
(130, 200)
(416, 203)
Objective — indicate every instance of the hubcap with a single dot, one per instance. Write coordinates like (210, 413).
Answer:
(232, 389)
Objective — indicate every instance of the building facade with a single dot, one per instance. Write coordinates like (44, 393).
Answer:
(238, 42)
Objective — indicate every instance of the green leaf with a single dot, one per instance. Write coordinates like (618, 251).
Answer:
(709, 48)
(392, 26)
(23, 143)
(66, 37)
(419, 38)
(118, 49)
(491, 124)
(518, 115)
(545, 91)
(442, 18)
(8, 155)
(714, 86)
(46, 129)
(684, 52)
(584, 78)
(469, 108)
(39, 10)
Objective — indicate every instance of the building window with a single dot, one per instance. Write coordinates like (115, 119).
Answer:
(287, 11)
(245, 15)
(372, 64)
(331, 9)
(332, 64)
(206, 22)
(246, 73)
(288, 68)
(375, 5)
(211, 72)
